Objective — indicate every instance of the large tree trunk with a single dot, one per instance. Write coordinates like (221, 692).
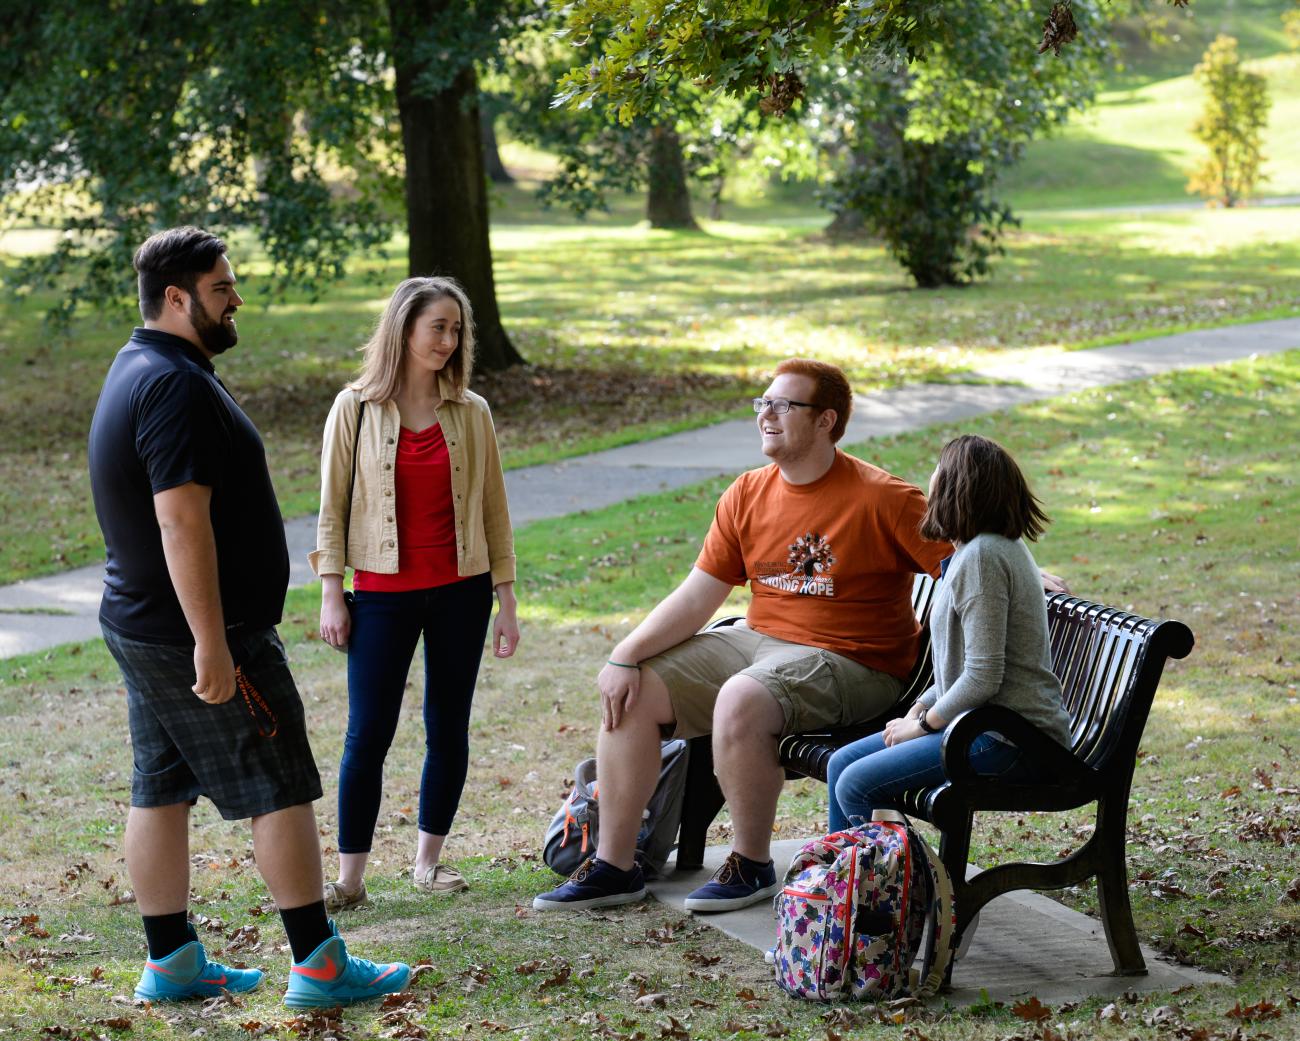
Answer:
(446, 188)
(496, 169)
(668, 204)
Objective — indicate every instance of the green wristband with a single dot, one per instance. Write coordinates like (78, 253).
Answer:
(621, 665)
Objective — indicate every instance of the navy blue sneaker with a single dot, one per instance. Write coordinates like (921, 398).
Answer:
(738, 883)
(594, 884)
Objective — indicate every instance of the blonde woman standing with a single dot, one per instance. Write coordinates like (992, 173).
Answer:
(414, 501)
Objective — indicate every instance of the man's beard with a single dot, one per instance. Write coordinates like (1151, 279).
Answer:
(216, 337)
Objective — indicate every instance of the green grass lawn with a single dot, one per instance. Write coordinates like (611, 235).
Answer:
(1135, 145)
(633, 332)
(1175, 496)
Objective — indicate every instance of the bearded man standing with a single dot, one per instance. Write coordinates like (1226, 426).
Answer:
(195, 585)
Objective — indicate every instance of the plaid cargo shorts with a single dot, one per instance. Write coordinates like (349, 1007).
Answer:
(233, 753)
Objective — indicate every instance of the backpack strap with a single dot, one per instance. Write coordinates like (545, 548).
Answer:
(939, 954)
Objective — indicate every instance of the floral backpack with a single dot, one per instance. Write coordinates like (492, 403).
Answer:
(852, 915)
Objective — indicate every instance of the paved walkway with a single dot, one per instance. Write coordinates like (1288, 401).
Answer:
(46, 612)
(1169, 207)
(1027, 945)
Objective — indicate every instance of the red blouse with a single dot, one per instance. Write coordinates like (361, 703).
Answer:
(426, 519)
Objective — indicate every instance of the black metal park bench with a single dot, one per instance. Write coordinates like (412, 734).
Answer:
(1109, 663)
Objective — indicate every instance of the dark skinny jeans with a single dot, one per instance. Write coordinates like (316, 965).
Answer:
(385, 629)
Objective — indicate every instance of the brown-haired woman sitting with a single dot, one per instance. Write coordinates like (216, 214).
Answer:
(988, 631)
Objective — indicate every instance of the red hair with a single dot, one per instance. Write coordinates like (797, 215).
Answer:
(833, 390)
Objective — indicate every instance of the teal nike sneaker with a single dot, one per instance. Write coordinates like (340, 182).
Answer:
(330, 976)
(187, 973)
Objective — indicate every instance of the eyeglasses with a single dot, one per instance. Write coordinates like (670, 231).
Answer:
(779, 406)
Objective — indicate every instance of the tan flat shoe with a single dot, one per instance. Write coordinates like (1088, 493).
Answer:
(339, 899)
(441, 878)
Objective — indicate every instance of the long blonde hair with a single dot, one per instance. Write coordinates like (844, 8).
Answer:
(381, 367)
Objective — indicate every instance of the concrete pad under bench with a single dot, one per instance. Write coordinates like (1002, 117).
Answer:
(1026, 944)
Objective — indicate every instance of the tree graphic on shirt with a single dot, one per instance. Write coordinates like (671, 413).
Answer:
(809, 554)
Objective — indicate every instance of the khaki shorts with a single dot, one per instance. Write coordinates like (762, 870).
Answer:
(815, 688)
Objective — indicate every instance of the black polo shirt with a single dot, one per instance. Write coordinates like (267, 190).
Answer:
(164, 419)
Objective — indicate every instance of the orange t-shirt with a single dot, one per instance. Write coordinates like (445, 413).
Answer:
(830, 564)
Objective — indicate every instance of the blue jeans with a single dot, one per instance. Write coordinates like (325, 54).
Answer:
(385, 629)
(867, 776)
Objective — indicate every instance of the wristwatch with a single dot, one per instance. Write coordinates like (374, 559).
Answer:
(924, 724)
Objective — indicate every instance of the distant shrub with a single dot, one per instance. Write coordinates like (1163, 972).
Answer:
(1231, 125)
(1291, 26)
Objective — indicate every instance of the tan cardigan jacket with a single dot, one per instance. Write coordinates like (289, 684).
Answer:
(484, 540)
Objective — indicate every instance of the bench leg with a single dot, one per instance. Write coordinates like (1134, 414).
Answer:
(701, 803)
(1112, 899)
(954, 851)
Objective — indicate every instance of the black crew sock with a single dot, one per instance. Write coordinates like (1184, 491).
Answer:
(307, 928)
(753, 865)
(166, 933)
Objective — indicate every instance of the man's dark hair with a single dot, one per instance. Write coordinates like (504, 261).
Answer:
(175, 257)
(979, 488)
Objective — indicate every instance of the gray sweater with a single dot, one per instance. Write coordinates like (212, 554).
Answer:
(988, 629)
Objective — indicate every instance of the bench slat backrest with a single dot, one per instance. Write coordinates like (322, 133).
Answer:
(1108, 661)
(1109, 666)
(922, 674)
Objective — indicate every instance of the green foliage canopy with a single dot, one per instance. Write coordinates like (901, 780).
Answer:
(919, 105)
(597, 156)
(922, 146)
(299, 120)
(742, 46)
(123, 117)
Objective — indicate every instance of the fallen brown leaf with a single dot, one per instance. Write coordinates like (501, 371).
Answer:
(1252, 1013)
(561, 977)
(1032, 1010)
(317, 1022)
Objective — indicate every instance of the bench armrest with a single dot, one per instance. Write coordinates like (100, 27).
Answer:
(1044, 753)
